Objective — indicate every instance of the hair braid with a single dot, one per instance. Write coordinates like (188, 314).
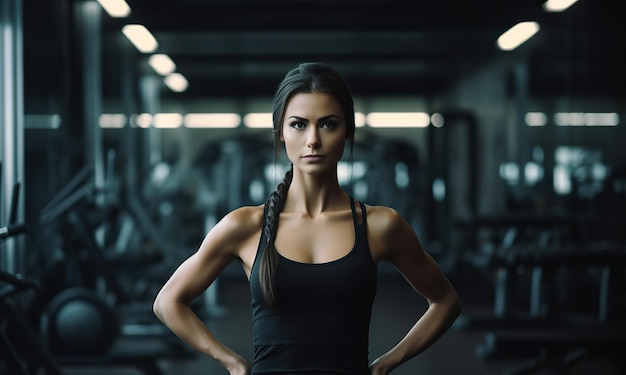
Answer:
(269, 264)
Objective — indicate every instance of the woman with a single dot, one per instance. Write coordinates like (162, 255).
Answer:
(310, 254)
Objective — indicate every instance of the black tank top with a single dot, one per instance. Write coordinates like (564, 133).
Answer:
(321, 322)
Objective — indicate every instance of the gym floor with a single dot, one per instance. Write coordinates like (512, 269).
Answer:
(395, 309)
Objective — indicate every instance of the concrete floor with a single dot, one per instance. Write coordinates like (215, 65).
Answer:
(395, 310)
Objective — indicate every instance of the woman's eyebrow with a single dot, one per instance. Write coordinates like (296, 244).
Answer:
(329, 117)
(321, 119)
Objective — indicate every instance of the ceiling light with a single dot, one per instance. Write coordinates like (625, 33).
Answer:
(586, 119)
(398, 119)
(142, 120)
(167, 120)
(112, 120)
(212, 120)
(437, 120)
(162, 64)
(516, 35)
(141, 38)
(258, 120)
(536, 119)
(557, 5)
(115, 8)
(359, 119)
(176, 82)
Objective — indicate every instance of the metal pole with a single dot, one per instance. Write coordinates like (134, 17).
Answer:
(12, 125)
(151, 98)
(90, 15)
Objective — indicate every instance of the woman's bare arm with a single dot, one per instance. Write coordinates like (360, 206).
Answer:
(392, 239)
(227, 241)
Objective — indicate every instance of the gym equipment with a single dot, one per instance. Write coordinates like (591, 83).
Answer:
(78, 321)
(80, 318)
(89, 319)
(452, 183)
(22, 349)
(552, 259)
(557, 350)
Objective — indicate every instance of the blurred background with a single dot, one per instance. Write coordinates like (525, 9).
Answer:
(129, 128)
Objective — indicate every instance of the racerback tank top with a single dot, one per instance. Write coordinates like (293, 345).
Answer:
(320, 324)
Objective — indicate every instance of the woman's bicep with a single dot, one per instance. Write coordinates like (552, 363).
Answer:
(404, 250)
(193, 276)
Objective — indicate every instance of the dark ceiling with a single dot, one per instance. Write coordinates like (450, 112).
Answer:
(242, 48)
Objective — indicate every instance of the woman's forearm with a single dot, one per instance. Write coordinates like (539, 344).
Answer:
(185, 324)
(427, 330)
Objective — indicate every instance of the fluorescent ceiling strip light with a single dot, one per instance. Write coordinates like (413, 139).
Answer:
(212, 120)
(586, 119)
(162, 64)
(258, 120)
(167, 120)
(112, 120)
(142, 120)
(359, 119)
(176, 82)
(558, 5)
(536, 119)
(516, 35)
(115, 8)
(398, 119)
(141, 38)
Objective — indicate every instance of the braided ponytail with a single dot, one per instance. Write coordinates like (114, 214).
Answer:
(267, 272)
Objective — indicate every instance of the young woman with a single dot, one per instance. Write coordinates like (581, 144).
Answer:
(310, 254)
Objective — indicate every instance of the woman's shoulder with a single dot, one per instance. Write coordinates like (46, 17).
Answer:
(389, 234)
(382, 215)
(245, 218)
(385, 221)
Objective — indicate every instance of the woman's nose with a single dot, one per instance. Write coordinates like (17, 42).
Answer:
(313, 140)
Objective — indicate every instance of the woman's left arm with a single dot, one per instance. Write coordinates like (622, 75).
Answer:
(392, 239)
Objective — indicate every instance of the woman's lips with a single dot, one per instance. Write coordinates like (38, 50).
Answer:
(313, 157)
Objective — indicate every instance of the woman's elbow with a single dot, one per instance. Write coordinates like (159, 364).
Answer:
(157, 307)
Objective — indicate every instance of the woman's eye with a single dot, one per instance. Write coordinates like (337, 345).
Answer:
(328, 125)
(297, 125)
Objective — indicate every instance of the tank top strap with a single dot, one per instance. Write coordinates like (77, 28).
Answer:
(363, 214)
(353, 208)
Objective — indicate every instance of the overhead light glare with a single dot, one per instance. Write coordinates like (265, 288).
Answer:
(359, 119)
(536, 119)
(516, 35)
(162, 64)
(141, 38)
(176, 82)
(168, 120)
(557, 5)
(437, 120)
(212, 120)
(586, 119)
(112, 120)
(398, 119)
(115, 8)
(258, 120)
(142, 120)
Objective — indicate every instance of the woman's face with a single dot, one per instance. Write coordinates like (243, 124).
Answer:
(314, 132)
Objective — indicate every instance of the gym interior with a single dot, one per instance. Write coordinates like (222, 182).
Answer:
(117, 158)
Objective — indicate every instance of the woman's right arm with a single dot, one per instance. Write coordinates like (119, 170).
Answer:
(223, 244)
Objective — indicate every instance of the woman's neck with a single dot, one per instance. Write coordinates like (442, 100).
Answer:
(313, 195)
